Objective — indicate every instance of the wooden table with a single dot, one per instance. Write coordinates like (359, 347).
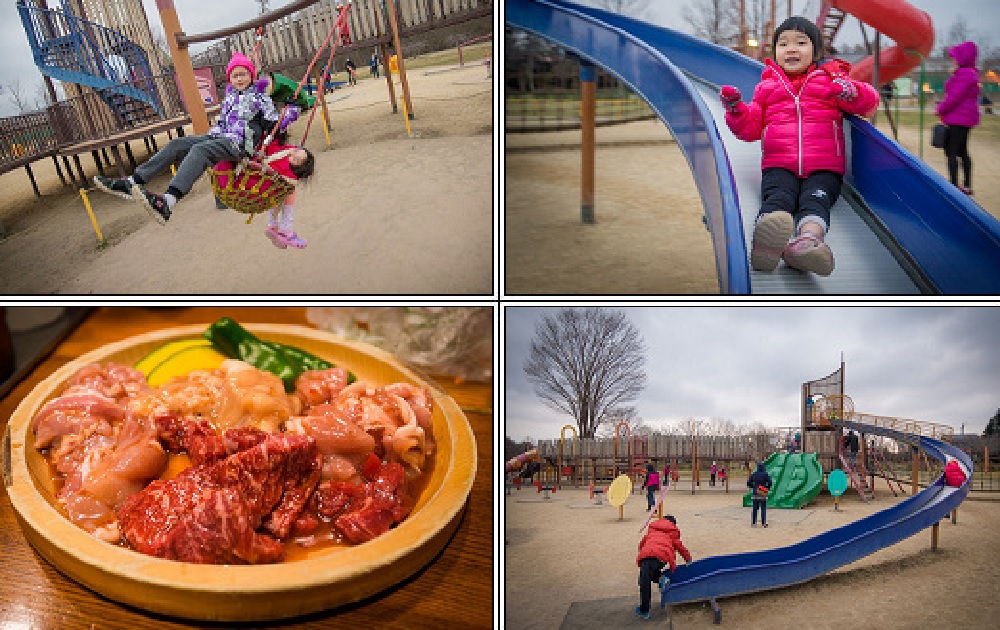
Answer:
(454, 591)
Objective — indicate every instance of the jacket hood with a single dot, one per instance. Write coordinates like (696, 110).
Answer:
(964, 54)
(760, 468)
(665, 526)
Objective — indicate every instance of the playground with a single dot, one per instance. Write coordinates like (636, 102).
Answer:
(886, 233)
(871, 530)
(549, 251)
(570, 563)
(373, 212)
(397, 158)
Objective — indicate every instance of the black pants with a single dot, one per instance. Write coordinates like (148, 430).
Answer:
(650, 570)
(782, 191)
(956, 148)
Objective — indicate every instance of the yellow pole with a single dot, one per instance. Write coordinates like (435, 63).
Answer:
(326, 127)
(406, 118)
(183, 66)
(90, 211)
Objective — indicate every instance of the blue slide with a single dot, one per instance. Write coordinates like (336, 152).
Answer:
(899, 227)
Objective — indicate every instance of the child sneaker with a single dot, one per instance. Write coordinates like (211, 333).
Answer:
(644, 615)
(809, 253)
(156, 205)
(770, 236)
(119, 187)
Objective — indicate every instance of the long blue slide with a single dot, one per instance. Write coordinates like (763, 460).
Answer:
(899, 228)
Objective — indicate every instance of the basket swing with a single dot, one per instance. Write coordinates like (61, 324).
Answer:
(253, 186)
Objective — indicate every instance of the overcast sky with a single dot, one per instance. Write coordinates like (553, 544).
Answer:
(747, 363)
(197, 16)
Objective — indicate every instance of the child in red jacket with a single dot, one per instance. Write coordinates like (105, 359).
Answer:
(797, 113)
(954, 476)
(657, 549)
(292, 162)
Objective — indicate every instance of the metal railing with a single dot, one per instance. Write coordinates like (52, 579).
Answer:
(88, 117)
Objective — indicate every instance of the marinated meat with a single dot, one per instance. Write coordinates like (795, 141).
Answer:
(210, 514)
(112, 380)
(360, 512)
(315, 387)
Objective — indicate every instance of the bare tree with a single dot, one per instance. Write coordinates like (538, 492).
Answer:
(632, 8)
(15, 92)
(718, 21)
(588, 364)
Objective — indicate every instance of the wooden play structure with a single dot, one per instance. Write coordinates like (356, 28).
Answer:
(118, 88)
(595, 462)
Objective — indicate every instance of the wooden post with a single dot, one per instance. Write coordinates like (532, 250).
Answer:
(934, 536)
(391, 4)
(954, 516)
(986, 456)
(183, 66)
(588, 120)
(916, 470)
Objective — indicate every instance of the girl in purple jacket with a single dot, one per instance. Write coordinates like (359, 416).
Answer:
(960, 111)
(797, 113)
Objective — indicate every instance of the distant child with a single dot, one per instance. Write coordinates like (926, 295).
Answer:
(960, 111)
(231, 138)
(657, 549)
(797, 112)
(292, 162)
(954, 476)
(760, 484)
(715, 472)
(652, 485)
(352, 72)
(722, 475)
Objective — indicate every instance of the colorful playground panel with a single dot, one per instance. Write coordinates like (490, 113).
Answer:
(797, 478)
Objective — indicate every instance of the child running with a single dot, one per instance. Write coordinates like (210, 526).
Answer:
(294, 163)
(231, 138)
(657, 549)
(797, 112)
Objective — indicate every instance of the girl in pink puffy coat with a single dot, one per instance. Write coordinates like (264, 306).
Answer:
(797, 113)
(960, 111)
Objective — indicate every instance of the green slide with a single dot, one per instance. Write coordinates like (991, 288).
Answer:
(796, 480)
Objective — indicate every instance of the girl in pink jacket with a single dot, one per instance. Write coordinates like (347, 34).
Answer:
(797, 113)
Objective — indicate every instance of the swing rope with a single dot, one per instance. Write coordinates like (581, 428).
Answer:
(244, 189)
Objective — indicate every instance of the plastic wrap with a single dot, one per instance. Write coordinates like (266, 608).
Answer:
(455, 341)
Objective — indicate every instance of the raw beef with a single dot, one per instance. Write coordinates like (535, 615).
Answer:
(211, 514)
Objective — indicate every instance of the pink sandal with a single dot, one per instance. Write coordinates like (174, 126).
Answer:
(272, 233)
(283, 239)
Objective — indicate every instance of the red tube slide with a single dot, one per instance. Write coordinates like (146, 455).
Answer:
(905, 24)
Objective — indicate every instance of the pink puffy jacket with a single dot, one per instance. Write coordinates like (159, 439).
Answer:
(801, 122)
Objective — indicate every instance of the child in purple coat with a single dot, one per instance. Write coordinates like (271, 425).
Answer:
(960, 111)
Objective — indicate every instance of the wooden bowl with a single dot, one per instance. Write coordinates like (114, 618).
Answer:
(323, 579)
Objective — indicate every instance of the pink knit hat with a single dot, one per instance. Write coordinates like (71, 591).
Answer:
(239, 59)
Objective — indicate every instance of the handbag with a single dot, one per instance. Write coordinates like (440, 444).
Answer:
(939, 136)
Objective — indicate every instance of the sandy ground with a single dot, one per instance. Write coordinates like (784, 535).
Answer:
(384, 214)
(648, 238)
(567, 550)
